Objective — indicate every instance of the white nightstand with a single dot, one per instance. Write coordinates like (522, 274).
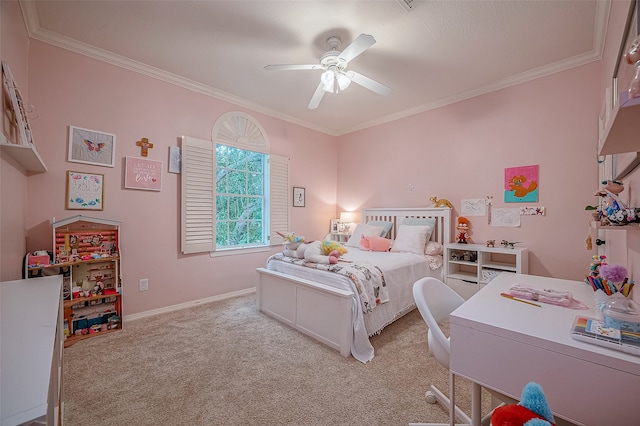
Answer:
(341, 237)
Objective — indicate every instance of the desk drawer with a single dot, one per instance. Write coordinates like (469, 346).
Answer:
(466, 289)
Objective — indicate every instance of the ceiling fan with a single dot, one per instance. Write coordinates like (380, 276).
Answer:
(335, 77)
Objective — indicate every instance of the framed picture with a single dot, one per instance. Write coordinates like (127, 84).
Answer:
(335, 223)
(17, 104)
(85, 191)
(141, 173)
(174, 159)
(91, 147)
(298, 197)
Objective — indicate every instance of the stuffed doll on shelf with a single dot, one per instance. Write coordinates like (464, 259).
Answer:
(463, 229)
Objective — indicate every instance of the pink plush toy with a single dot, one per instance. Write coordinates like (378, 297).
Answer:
(374, 243)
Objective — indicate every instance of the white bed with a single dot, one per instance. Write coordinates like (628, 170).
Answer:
(322, 305)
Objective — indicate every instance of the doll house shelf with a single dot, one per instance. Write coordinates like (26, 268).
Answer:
(86, 252)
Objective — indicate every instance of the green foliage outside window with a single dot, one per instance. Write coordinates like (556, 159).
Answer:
(241, 182)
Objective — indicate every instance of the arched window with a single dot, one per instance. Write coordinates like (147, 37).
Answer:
(234, 192)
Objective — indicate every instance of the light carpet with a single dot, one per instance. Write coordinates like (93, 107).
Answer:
(226, 363)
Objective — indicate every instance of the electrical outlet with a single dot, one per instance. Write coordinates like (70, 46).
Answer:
(143, 284)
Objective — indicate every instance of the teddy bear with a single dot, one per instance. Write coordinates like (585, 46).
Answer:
(327, 252)
(532, 410)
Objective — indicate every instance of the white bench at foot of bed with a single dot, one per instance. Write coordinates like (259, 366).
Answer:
(319, 311)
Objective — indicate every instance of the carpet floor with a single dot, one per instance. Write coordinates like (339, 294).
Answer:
(226, 363)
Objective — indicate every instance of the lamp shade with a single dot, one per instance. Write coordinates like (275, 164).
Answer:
(327, 78)
(343, 80)
(347, 217)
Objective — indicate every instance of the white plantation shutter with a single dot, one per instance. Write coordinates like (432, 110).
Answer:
(279, 197)
(198, 219)
(198, 196)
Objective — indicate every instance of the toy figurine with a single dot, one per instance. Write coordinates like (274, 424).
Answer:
(442, 202)
(463, 230)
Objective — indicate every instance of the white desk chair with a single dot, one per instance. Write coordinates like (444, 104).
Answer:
(435, 301)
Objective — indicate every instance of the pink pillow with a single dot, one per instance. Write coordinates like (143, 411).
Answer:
(374, 243)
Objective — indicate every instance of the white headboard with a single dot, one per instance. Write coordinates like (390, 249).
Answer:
(441, 233)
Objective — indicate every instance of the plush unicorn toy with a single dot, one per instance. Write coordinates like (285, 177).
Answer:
(292, 244)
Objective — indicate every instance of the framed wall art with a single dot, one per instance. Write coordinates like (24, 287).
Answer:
(144, 174)
(174, 159)
(85, 191)
(298, 197)
(91, 147)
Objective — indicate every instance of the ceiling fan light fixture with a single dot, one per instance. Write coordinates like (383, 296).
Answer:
(327, 78)
(343, 80)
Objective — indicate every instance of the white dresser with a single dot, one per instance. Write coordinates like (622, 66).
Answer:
(31, 345)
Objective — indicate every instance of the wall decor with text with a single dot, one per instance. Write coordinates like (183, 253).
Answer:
(85, 191)
(141, 173)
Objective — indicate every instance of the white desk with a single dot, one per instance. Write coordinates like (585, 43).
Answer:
(502, 344)
(30, 351)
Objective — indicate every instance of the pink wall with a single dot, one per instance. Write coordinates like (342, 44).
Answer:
(70, 89)
(13, 179)
(460, 151)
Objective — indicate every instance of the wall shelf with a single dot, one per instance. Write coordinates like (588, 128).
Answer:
(627, 227)
(621, 134)
(26, 156)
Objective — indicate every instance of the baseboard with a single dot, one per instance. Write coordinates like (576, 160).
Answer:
(190, 304)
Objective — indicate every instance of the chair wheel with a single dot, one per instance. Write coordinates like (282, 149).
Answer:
(430, 397)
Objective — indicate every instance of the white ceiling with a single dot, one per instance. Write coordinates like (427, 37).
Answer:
(436, 53)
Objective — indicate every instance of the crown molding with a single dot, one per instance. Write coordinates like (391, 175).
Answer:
(36, 32)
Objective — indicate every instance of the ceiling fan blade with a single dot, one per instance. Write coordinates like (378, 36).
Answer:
(316, 98)
(359, 45)
(288, 67)
(368, 83)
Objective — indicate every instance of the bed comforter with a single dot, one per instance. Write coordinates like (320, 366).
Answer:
(399, 271)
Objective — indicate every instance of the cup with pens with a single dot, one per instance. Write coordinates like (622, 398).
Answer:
(611, 288)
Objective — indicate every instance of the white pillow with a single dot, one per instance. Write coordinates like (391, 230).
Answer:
(411, 239)
(368, 230)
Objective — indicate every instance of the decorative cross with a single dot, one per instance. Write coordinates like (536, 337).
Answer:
(144, 145)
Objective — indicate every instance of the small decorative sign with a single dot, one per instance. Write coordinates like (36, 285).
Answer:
(85, 191)
(143, 174)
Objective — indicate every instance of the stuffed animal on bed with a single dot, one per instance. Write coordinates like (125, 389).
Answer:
(292, 244)
(532, 410)
(327, 252)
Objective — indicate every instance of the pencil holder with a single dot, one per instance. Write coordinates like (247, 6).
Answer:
(622, 313)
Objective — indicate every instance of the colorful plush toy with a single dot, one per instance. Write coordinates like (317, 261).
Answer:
(532, 410)
(292, 244)
(327, 252)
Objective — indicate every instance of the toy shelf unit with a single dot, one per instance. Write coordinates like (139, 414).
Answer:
(86, 251)
(469, 267)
